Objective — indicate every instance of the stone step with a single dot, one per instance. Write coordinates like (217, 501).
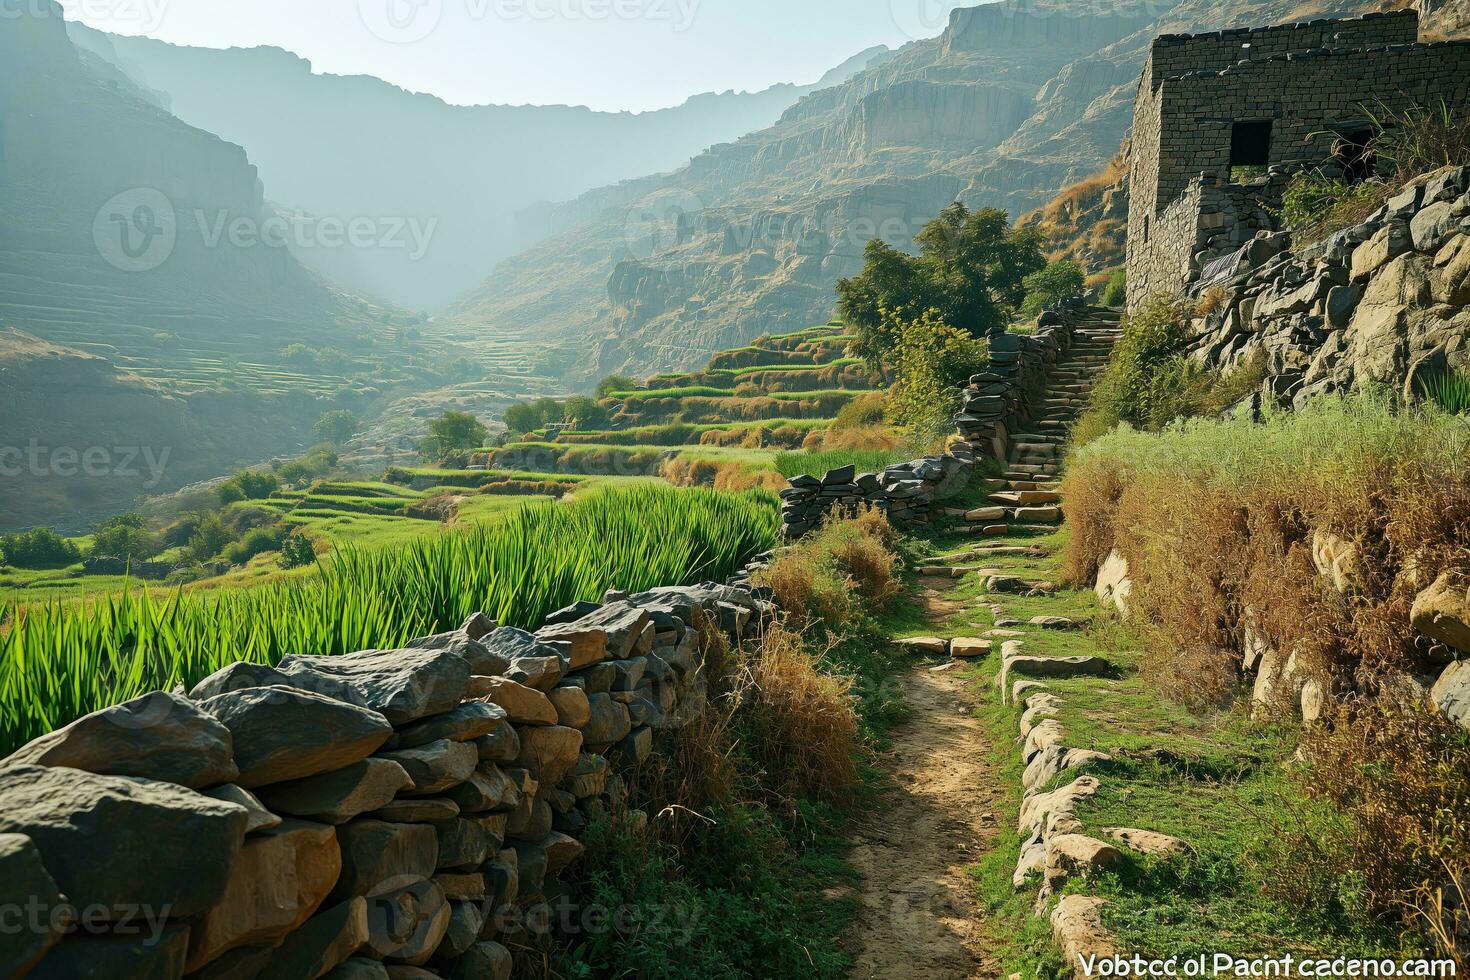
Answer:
(1026, 498)
(1034, 448)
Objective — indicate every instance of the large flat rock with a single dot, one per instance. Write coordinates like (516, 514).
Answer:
(23, 880)
(282, 734)
(121, 843)
(158, 736)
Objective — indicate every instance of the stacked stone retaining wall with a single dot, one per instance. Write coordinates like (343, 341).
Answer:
(402, 814)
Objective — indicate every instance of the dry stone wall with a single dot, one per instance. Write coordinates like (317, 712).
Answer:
(400, 814)
(995, 403)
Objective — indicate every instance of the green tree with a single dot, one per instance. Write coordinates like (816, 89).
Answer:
(210, 538)
(588, 413)
(1057, 283)
(248, 485)
(125, 536)
(337, 427)
(614, 384)
(524, 417)
(38, 548)
(297, 549)
(452, 432)
(970, 269)
(931, 362)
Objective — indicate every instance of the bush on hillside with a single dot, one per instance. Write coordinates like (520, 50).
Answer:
(125, 536)
(970, 269)
(1315, 206)
(1419, 139)
(932, 360)
(454, 432)
(248, 485)
(1059, 282)
(1149, 383)
(1115, 293)
(615, 384)
(1218, 521)
(38, 548)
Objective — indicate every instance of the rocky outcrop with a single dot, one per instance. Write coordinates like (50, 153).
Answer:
(405, 815)
(1381, 302)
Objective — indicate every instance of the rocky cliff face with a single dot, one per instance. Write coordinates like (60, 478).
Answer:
(1004, 109)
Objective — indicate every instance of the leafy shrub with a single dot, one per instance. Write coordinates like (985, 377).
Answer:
(615, 384)
(455, 432)
(210, 537)
(1057, 283)
(337, 427)
(931, 361)
(1315, 206)
(1116, 291)
(38, 548)
(248, 485)
(125, 536)
(861, 412)
(255, 542)
(297, 549)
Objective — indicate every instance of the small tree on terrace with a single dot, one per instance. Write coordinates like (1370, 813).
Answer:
(337, 427)
(931, 362)
(970, 268)
(452, 432)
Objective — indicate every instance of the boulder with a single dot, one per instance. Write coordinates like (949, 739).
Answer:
(1442, 612)
(609, 721)
(1451, 693)
(1077, 927)
(23, 880)
(572, 708)
(1148, 841)
(323, 943)
(432, 922)
(159, 736)
(464, 723)
(103, 956)
(1338, 560)
(471, 650)
(501, 745)
(524, 705)
(337, 797)
(393, 917)
(923, 644)
(437, 766)
(259, 817)
(462, 844)
(281, 734)
(515, 645)
(122, 843)
(243, 675)
(968, 648)
(465, 923)
(400, 685)
(549, 753)
(277, 882)
(421, 810)
(486, 791)
(462, 886)
(622, 625)
(484, 961)
(378, 857)
(1072, 855)
(1114, 587)
(358, 968)
(540, 673)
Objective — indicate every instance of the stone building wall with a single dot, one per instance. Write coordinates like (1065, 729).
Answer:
(1312, 82)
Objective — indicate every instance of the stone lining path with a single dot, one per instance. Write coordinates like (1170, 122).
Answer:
(920, 917)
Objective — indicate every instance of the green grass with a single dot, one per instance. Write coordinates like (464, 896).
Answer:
(62, 660)
(846, 394)
(818, 463)
(688, 391)
(1225, 788)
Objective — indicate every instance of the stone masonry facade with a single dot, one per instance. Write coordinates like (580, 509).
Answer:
(1275, 98)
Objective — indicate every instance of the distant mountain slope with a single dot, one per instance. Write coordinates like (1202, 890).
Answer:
(142, 322)
(354, 147)
(1013, 102)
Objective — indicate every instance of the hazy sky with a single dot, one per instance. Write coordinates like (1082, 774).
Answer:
(608, 54)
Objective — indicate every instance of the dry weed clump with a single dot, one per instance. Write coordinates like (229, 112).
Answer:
(847, 564)
(1223, 525)
(798, 723)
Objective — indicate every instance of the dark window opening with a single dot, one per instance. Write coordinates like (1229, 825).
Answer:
(1351, 152)
(1250, 144)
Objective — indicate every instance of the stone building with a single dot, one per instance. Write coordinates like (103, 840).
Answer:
(1267, 100)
